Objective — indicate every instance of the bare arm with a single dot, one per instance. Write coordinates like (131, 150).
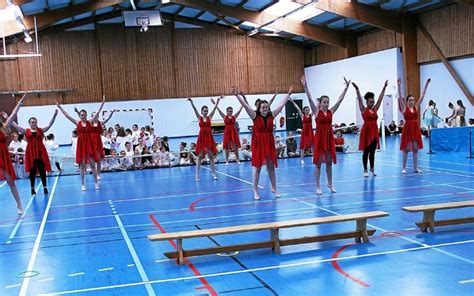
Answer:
(283, 102)
(238, 112)
(314, 105)
(359, 97)
(297, 108)
(96, 116)
(71, 119)
(18, 128)
(381, 95)
(423, 93)
(274, 97)
(245, 104)
(46, 128)
(9, 120)
(401, 101)
(110, 116)
(77, 111)
(194, 108)
(215, 108)
(341, 97)
(218, 109)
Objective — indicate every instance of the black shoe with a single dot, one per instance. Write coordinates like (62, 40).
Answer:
(33, 192)
(45, 190)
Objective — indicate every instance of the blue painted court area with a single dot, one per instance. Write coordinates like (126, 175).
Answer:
(96, 242)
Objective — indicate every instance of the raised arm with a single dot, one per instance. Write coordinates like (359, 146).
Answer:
(423, 93)
(297, 108)
(401, 101)
(46, 128)
(194, 108)
(283, 102)
(96, 116)
(110, 116)
(218, 109)
(244, 103)
(381, 95)
(237, 114)
(314, 105)
(359, 97)
(273, 98)
(77, 111)
(341, 97)
(215, 107)
(20, 129)
(9, 120)
(71, 119)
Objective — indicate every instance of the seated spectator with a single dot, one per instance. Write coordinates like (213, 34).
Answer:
(147, 159)
(126, 160)
(392, 128)
(353, 129)
(14, 144)
(155, 152)
(245, 150)
(291, 146)
(471, 121)
(137, 159)
(183, 154)
(400, 126)
(339, 142)
(165, 144)
(280, 147)
(113, 162)
(165, 157)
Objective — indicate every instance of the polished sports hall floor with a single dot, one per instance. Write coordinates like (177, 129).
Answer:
(95, 243)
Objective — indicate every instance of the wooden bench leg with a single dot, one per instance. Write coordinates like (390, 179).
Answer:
(179, 243)
(362, 227)
(428, 217)
(275, 237)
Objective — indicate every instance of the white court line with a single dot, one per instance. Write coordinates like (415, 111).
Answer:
(18, 223)
(439, 161)
(252, 202)
(31, 263)
(257, 269)
(105, 269)
(46, 280)
(76, 274)
(13, 286)
(233, 177)
(134, 254)
(401, 236)
(459, 187)
(467, 281)
(3, 184)
(240, 215)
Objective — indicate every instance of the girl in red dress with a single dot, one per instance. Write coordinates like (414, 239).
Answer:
(411, 134)
(36, 158)
(369, 140)
(84, 152)
(97, 131)
(324, 147)
(307, 135)
(205, 142)
(263, 148)
(231, 136)
(7, 173)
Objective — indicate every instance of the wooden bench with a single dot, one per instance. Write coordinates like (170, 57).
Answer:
(429, 213)
(360, 233)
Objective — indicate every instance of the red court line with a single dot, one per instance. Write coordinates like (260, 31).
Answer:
(336, 266)
(188, 263)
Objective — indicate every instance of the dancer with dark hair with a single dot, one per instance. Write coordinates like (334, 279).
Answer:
(411, 134)
(263, 143)
(369, 139)
(307, 135)
(205, 142)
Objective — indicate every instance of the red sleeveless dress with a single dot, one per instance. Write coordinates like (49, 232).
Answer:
(205, 139)
(230, 133)
(369, 131)
(324, 138)
(263, 141)
(36, 150)
(411, 130)
(96, 139)
(84, 148)
(307, 136)
(5, 159)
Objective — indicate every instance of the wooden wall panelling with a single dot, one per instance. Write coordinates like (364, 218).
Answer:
(378, 40)
(327, 53)
(9, 79)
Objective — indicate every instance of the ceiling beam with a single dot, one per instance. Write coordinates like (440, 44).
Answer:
(4, 3)
(329, 36)
(212, 26)
(371, 15)
(85, 21)
(467, 2)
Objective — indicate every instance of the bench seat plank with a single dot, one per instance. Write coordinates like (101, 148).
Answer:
(442, 206)
(266, 226)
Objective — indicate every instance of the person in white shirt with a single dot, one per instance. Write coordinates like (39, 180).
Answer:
(51, 147)
(14, 144)
(74, 142)
(135, 135)
(106, 142)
